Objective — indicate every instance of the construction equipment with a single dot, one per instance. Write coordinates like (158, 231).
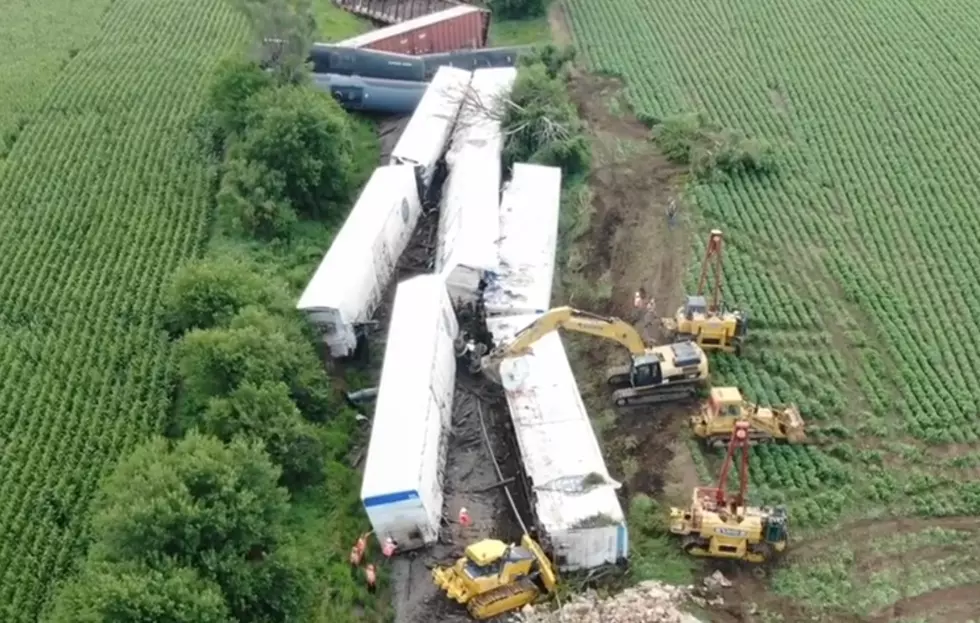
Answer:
(721, 526)
(705, 322)
(657, 374)
(716, 420)
(493, 578)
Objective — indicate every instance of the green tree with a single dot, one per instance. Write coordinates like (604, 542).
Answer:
(213, 507)
(518, 9)
(305, 137)
(284, 31)
(542, 124)
(230, 98)
(252, 199)
(267, 412)
(210, 292)
(132, 593)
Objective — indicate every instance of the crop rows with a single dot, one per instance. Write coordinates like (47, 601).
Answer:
(857, 259)
(101, 198)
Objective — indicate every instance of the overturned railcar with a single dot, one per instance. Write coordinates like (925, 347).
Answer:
(387, 97)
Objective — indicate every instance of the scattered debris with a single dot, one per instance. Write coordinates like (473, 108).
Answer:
(717, 580)
(647, 602)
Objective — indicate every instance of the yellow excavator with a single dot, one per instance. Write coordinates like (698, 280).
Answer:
(657, 374)
(717, 418)
(493, 578)
(721, 526)
(705, 322)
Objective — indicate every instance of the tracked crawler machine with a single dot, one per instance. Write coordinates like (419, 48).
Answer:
(654, 374)
(718, 525)
(717, 419)
(706, 322)
(493, 578)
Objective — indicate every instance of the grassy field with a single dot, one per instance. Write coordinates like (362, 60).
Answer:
(101, 197)
(857, 260)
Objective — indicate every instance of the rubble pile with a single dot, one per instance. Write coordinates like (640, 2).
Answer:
(647, 602)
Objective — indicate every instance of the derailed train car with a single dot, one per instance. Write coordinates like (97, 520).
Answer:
(348, 285)
(459, 28)
(402, 490)
(347, 61)
(423, 142)
(388, 97)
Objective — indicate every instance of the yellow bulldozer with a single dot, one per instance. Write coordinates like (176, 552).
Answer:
(718, 525)
(654, 374)
(493, 578)
(706, 322)
(717, 418)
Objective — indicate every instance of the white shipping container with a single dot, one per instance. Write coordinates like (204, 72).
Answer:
(403, 476)
(427, 134)
(527, 244)
(583, 524)
(469, 220)
(349, 283)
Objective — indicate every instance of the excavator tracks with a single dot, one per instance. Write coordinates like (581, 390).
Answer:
(634, 397)
(503, 599)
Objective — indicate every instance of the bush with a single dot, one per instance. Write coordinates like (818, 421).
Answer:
(252, 199)
(210, 507)
(230, 99)
(209, 293)
(712, 152)
(303, 137)
(266, 412)
(518, 9)
(542, 124)
(133, 592)
(557, 61)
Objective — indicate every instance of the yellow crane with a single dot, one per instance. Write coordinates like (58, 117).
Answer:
(492, 578)
(654, 374)
(726, 407)
(719, 525)
(706, 322)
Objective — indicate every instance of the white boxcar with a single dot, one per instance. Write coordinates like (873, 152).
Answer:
(469, 221)
(403, 476)
(427, 134)
(350, 281)
(580, 517)
(528, 240)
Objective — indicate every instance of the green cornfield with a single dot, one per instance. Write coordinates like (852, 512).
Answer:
(102, 195)
(858, 260)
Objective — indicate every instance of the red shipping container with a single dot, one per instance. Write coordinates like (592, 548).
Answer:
(462, 27)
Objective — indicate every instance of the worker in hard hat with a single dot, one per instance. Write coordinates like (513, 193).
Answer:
(388, 548)
(464, 518)
(371, 578)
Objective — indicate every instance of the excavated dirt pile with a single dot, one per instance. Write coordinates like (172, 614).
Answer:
(647, 602)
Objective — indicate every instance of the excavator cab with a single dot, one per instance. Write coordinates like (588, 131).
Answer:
(694, 306)
(646, 371)
(775, 530)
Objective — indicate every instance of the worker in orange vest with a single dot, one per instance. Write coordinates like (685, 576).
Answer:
(464, 518)
(371, 578)
(388, 549)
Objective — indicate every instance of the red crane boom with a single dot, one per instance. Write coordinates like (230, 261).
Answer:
(713, 251)
(739, 440)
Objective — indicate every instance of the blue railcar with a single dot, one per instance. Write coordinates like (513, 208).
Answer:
(389, 97)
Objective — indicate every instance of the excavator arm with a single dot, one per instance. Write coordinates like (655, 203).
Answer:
(569, 319)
